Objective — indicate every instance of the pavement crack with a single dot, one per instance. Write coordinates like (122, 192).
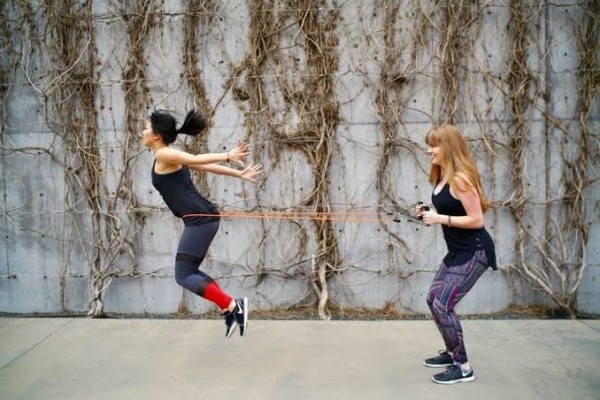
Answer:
(589, 325)
(33, 346)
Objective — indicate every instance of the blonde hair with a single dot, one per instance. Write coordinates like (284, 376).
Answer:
(456, 159)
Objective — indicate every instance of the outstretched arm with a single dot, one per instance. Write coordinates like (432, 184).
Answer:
(236, 155)
(247, 174)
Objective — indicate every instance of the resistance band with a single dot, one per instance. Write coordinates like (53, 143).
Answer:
(317, 216)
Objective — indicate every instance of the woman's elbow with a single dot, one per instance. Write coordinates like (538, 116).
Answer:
(474, 222)
(478, 223)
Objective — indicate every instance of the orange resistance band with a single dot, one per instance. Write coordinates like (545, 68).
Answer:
(308, 215)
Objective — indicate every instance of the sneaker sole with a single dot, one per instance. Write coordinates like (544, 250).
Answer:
(233, 328)
(243, 329)
(469, 379)
(436, 365)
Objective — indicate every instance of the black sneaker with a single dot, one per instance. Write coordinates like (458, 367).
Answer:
(444, 359)
(230, 324)
(453, 374)
(241, 314)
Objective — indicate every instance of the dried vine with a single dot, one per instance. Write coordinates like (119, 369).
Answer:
(458, 19)
(70, 98)
(70, 106)
(318, 129)
(518, 82)
(5, 68)
(318, 120)
(199, 16)
(393, 80)
(558, 261)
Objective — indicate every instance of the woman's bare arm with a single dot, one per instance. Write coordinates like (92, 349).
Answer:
(247, 173)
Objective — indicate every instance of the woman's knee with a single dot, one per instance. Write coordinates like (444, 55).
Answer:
(430, 297)
(180, 279)
(185, 265)
(183, 273)
(442, 307)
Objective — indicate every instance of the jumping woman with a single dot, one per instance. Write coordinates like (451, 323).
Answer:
(459, 206)
(171, 177)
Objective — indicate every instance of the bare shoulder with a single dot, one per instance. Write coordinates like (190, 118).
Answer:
(166, 160)
(168, 155)
(463, 183)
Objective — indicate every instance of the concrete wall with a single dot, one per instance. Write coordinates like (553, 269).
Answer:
(49, 243)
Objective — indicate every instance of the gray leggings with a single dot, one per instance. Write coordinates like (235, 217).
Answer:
(192, 248)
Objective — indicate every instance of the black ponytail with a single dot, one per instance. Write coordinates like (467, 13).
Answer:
(165, 124)
(193, 124)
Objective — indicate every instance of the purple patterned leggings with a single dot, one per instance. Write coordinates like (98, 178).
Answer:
(449, 286)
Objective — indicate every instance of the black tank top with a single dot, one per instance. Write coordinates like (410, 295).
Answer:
(182, 198)
(462, 243)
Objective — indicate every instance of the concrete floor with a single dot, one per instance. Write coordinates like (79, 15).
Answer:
(79, 358)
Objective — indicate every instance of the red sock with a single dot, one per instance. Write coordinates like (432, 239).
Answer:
(214, 293)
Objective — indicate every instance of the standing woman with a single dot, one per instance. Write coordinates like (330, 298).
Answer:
(171, 177)
(459, 206)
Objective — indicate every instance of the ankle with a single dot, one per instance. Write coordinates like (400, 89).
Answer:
(466, 367)
(231, 306)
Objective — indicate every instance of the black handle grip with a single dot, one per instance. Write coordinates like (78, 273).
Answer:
(424, 208)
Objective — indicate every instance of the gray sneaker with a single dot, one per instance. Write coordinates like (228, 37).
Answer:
(444, 359)
(453, 374)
